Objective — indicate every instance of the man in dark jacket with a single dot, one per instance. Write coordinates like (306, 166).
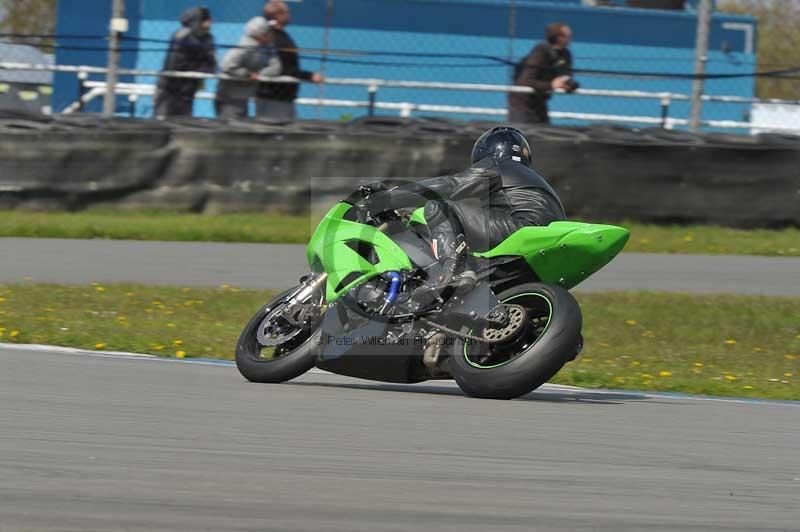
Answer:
(548, 67)
(191, 50)
(276, 100)
(482, 206)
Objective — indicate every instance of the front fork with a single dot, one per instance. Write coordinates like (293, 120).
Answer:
(300, 308)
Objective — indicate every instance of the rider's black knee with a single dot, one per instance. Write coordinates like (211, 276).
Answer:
(435, 213)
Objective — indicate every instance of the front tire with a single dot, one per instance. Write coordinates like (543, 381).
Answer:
(480, 372)
(281, 363)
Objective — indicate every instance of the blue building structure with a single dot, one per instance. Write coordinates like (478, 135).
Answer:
(484, 37)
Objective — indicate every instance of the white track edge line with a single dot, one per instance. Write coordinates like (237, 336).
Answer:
(551, 387)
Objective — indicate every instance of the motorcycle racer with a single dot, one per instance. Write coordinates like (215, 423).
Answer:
(480, 207)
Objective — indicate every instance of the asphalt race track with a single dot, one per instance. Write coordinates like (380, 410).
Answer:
(100, 444)
(279, 266)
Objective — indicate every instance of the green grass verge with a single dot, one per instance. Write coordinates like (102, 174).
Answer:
(718, 345)
(297, 229)
(180, 227)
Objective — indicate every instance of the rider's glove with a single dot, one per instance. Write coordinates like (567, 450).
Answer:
(369, 190)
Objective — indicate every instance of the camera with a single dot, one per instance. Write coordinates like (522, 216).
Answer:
(571, 85)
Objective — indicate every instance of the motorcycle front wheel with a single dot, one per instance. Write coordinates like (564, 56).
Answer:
(549, 338)
(279, 363)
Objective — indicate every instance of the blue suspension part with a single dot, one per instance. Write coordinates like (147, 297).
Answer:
(394, 286)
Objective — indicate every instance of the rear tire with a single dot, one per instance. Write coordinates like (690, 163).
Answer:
(296, 356)
(536, 363)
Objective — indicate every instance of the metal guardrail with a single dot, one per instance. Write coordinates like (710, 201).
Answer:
(97, 88)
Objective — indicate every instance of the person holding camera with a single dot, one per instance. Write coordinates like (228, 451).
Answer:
(547, 68)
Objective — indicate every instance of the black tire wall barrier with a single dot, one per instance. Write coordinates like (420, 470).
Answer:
(602, 173)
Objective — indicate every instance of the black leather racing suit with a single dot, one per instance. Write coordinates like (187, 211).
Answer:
(489, 201)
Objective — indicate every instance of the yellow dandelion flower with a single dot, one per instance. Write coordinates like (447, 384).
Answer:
(180, 354)
(731, 378)
(636, 363)
(665, 374)
(14, 334)
(100, 345)
(748, 387)
(630, 322)
(129, 294)
(2, 299)
(790, 357)
(730, 342)
(788, 374)
(758, 350)
(171, 325)
(646, 376)
(688, 238)
(178, 342)
(698, 364)
(99, 288)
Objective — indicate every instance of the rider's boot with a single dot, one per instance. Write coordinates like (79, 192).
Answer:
(452, 252)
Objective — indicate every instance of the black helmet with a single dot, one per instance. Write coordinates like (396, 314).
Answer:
(502, 143)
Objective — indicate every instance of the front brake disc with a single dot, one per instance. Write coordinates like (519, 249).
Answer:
(274, 329)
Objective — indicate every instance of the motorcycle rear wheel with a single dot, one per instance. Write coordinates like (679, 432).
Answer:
(282, 363)
(552, 339)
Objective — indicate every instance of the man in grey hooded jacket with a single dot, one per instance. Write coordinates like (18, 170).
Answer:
(253, 58)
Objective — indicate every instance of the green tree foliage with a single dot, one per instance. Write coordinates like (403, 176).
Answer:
(28, 16)
(778, 42)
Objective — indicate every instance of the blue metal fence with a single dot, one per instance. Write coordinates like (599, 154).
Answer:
(488, 35)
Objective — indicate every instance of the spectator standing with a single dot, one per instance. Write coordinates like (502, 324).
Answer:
(276, 100)
(548, 67)
(254, 57)
(191, 49)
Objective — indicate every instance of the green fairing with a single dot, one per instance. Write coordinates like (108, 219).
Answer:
(564, 253)
(418, 217)
(328, 251)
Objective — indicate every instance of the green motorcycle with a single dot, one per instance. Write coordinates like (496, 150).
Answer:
(369, 310)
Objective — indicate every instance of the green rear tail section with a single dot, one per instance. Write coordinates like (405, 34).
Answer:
(564, 253)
